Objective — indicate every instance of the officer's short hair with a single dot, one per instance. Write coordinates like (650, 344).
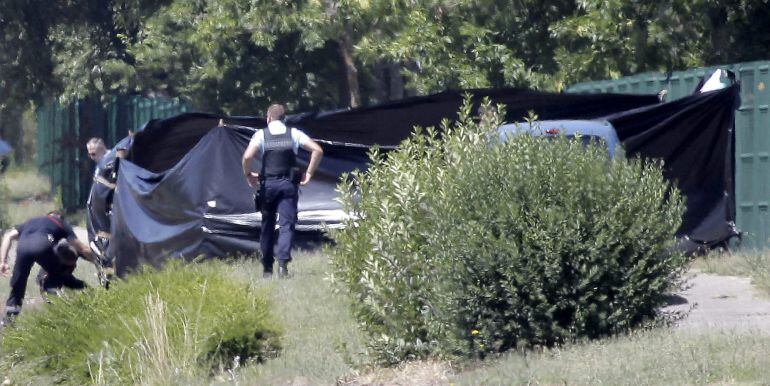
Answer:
(65, 251)
(95, 141)
(276, 112)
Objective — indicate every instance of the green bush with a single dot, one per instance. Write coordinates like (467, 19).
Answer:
(462, 246)
(152, 327)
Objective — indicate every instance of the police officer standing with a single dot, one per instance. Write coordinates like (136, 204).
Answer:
(278, 184)
(50, 242)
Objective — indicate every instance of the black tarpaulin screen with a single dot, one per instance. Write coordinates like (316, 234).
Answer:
(181, 192)
(695, 137)
(388, 124)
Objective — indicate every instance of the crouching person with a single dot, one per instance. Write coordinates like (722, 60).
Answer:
(50, 282)
(50, 242)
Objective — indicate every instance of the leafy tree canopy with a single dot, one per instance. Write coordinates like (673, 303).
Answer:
(237, 56)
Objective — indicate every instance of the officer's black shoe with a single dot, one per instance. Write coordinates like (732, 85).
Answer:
(8, 319)
(283, 269)
(267, 271)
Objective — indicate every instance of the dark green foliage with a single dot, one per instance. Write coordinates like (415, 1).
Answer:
(463, 246)
(184, 317)
(237, 56)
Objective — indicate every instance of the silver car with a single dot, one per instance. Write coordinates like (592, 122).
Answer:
(588, 131)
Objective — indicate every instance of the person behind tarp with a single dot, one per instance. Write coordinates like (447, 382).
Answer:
(50, 242)
(99, 204)
(96, 149)
(278, 182)
(105, 175)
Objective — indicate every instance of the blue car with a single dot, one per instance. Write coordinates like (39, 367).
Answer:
(587, 130)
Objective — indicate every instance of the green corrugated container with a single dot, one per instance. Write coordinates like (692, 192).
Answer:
(63, 130)
(752, 134)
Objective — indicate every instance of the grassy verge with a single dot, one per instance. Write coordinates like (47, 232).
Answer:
(321, 341)
(27, 194)
(751, 263)
(318, 323)
(25, 182)
(178, 323)
(321, 345)
(658, 357)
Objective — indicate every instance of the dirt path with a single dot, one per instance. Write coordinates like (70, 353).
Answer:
(723, 302)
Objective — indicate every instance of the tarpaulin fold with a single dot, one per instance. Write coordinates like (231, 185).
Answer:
(694, 136)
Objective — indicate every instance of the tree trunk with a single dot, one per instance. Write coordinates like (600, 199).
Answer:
(381, 82)
(720, 39)
(353, 90)
(396, 82)
(389, 83)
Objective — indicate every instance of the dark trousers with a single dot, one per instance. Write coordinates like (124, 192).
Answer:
(31, 250)
(279, 197)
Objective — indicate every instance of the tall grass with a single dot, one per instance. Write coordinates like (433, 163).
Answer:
(748, 262)
(161, 360)
(19, 212)
(24, 193)
(180, 323)
(25, 182)
(659, 357)
(321, 341)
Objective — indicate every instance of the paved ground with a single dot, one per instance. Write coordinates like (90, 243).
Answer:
(722, 302)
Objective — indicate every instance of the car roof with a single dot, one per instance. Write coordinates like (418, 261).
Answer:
(594, 128)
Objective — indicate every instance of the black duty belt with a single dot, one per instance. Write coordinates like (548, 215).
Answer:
(278, 177)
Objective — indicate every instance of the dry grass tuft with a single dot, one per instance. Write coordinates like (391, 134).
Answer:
(428, 373)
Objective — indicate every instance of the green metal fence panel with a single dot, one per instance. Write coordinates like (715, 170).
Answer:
(63, 131)
(44, 124)
(752, 144)
(752, 134)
